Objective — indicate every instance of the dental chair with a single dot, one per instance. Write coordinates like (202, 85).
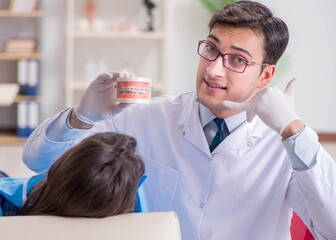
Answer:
(299, 230)
(132, 226)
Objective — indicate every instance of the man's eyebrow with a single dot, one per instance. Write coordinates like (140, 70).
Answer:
(213, 37)
(241, 49)
(216, 39)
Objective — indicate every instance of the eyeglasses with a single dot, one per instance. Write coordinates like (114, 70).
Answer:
(232, 62)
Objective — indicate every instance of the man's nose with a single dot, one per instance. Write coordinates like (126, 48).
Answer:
(216, 67)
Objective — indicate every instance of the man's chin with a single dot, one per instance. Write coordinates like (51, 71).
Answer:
(213, 106)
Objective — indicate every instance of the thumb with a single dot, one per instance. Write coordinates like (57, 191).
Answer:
(234, 105)
(103, 82)
(240, 106)
(104, 78)
(289, 91)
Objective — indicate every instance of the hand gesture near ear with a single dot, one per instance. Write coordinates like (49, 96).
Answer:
(274, 107)
(99, 98)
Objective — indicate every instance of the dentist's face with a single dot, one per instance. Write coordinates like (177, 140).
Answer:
(215, 83)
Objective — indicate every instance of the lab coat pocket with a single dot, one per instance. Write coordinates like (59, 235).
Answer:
(160, 186)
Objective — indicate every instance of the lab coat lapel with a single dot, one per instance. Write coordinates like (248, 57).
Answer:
(191, 124)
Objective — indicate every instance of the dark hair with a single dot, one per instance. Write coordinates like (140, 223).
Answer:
(255, 16)
(97, 178)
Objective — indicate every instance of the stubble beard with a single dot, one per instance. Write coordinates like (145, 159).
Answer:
(217, 107)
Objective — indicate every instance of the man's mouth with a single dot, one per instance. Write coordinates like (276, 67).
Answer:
(214, 85)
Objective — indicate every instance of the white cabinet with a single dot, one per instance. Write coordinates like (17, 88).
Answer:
(116, 40)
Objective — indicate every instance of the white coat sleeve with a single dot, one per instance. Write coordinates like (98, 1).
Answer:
(50, 140)
(312, 192)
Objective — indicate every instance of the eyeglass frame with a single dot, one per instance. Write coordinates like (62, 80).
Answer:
(247, 63)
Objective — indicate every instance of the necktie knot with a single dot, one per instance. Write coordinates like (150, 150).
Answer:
(221, 134)
(220, 122)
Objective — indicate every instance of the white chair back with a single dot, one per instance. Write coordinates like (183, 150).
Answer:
(132, 226)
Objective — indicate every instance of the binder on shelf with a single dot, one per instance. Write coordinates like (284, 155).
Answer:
(27, 118)
(33, 76)
(22, 123)
(22, 76)
(33, 116)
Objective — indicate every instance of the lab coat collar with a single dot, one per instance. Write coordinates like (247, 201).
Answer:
(232, 122)
(241, 138)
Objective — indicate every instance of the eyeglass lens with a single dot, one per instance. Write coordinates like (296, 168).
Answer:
(232, 62)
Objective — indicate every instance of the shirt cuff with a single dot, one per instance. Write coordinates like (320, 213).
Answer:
(302, 149)
(60, 129)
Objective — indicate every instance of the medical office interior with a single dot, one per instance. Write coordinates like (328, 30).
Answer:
(51, 50)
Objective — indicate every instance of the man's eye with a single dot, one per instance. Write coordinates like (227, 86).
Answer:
(237, 59)
(210, 48)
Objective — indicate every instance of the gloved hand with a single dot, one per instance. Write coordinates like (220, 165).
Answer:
(274, 107)
(99, 98)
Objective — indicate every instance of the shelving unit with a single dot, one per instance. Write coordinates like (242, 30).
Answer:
(9, 13)
(17, 56)
(15, 24)
(144, 53)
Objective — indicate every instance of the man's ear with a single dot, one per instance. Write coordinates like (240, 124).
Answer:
(266, 76)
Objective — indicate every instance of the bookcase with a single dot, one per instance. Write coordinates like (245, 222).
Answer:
(20, 62)
(110, 35)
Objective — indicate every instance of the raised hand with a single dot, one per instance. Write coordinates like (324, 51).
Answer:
(274, 107)
(99, 98)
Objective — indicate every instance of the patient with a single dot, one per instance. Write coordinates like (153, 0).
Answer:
(99, 177)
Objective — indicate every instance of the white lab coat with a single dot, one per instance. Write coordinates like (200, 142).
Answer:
(245, 189)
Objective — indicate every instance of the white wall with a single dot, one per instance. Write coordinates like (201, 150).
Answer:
(190, 24)
(310, 56)
(53, 47)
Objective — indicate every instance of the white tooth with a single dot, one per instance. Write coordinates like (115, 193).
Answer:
(215, 86)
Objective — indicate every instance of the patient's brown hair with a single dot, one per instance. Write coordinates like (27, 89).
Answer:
(97, 178)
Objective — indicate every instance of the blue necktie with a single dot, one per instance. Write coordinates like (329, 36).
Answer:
(221, 134)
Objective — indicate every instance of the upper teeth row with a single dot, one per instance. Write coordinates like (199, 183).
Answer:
(215, 86)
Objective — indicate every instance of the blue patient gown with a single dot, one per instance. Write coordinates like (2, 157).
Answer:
(14, 191)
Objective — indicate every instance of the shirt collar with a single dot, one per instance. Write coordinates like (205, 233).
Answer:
(232, 122)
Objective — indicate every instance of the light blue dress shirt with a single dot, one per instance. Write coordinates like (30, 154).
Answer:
(233, 122)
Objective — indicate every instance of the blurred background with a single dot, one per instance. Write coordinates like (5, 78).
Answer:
(51, 50)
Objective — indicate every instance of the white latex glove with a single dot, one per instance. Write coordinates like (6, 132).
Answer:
(274, 107)
(99, 98)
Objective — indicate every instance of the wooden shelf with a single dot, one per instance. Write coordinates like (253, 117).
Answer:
(20, 98)
(119, 35)
(8, 137)
(82, 85)
(9, 13)
(23, 98)
(18, 56)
